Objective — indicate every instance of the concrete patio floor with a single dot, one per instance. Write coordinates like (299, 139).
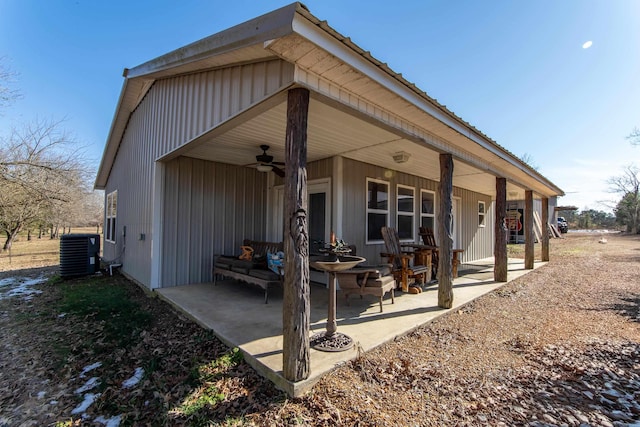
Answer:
(237, 314)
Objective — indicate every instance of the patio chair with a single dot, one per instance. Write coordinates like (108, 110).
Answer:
(367, 280)
(408, 273)
(429, 239)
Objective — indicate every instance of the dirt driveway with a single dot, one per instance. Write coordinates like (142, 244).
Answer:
(558, 346)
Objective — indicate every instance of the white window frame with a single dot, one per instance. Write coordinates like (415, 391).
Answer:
(412, 214)
(111, 215)
(386, 212)
(428, 215)
(482, 213)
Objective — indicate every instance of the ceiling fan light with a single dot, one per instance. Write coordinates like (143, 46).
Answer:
(264, 168)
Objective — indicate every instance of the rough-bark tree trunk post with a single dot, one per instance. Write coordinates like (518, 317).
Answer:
(529, 236)
(500, 245)
(545, 229)
(445, 268)
(295, 309)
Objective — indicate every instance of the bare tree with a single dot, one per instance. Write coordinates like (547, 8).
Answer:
(94, 210)
(7, 77)
(41, 175)
(528, 159)
(634, 136)
(627, 184)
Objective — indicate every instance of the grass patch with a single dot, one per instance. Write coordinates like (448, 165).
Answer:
(118, 318)
(197, 405)
(206, 396)
(228, 360)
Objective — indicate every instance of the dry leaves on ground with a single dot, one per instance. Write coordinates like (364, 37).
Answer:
(560, 345)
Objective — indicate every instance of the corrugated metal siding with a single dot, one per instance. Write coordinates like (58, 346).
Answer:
(131, 176)
(477, 241)
(209, 209)
(320, 169)
(174, 111)
(191, 104)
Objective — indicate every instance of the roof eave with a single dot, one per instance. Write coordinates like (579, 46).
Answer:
(277, 23)
(383, 74)
(269, 26)
(110, 148)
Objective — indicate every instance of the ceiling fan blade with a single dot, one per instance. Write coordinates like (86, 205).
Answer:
(278, 171)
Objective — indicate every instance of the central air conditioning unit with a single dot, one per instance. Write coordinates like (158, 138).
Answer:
(79, 255)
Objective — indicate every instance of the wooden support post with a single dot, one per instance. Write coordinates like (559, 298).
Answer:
(529, 236)
(445, 270)
(545, 229)
(500, 268)
(295, 307)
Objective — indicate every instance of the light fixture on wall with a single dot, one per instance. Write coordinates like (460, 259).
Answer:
(264, 168)
(401, 157)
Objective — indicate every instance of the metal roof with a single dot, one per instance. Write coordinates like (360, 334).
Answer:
(246, 42)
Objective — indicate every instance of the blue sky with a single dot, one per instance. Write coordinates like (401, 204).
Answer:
(514, 69)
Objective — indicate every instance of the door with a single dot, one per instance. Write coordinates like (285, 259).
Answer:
(317, 221)
(318, 213)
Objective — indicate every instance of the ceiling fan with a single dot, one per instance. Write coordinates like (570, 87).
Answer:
(265, 163)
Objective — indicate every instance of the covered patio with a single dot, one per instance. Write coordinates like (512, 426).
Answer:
(236, 313)
(281, 129)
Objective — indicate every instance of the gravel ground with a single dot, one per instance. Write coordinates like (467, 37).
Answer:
(558, 346)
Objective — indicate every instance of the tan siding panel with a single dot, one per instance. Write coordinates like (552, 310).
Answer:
(209, 209)
(174, 111)
(477, 241)
(189, 105)
(320, 169)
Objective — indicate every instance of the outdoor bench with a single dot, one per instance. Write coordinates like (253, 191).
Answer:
(254, 270)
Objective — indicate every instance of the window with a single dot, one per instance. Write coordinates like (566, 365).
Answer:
(481, 214)
(377, 208)
(428, 209)
(112, 209)
(406, 212)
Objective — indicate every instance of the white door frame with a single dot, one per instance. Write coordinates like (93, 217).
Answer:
(323, 185)
(455, 214)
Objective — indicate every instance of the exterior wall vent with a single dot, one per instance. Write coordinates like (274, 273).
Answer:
(79, 254)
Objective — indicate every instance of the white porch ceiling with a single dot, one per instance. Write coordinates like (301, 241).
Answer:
(334, 132)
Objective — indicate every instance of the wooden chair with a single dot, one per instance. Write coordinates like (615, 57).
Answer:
(367, 280)
(429, 239)
(405, 271)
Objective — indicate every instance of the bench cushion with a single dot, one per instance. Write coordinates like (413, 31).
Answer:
(235, 264)
(264, 274)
